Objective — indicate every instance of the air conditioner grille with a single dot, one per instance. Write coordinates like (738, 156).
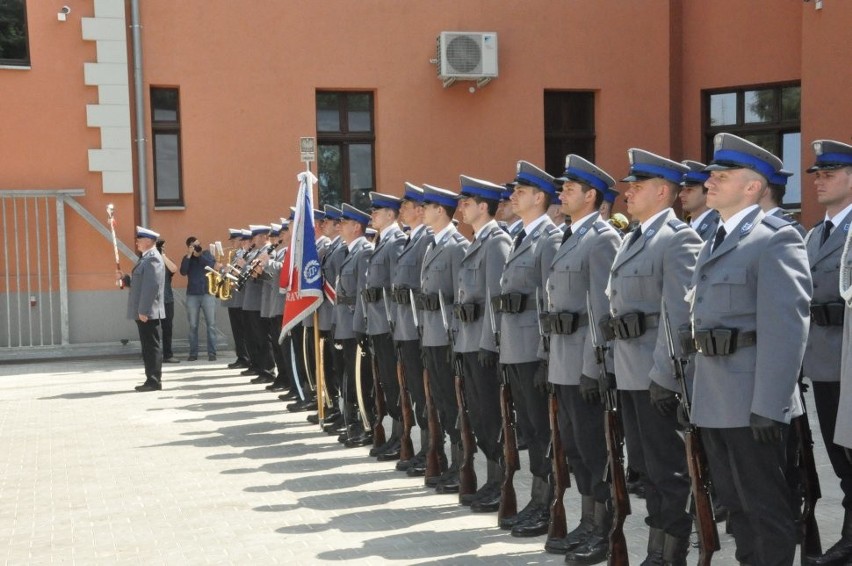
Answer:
(464, 54)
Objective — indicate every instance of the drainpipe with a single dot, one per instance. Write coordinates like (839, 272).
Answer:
(138, 86)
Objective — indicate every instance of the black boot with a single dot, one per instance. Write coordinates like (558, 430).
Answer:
(656, 540)
(449, 481)
(489, 502)
(538, 521)
(675, 550)
(596, 547)
(390, 451)
(403, 465)
(579, 535)
(841, 552)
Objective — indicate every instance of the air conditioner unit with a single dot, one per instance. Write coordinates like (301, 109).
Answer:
(467, 55)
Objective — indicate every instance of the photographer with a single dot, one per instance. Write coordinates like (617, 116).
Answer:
(197, 299)
(169, 303)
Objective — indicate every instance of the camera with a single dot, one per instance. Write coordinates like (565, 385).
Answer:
(160, 244)
(197, 248)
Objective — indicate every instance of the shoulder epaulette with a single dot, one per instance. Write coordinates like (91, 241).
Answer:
(775, 222)
(600, 226)
(677, 224)
(552, 229)
(459, 237)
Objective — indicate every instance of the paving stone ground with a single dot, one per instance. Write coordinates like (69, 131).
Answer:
(213, 470)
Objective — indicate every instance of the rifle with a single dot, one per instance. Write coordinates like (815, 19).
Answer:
(809, 486)
(111, 221)
(614, 435)
(558, 526)
(467, 475)
(406, 449)
(508, 499)
(379, 438)
(433, 464)
(699, 479)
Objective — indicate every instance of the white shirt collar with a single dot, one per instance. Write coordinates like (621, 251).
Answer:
(151, 251)
(530, 228)
(575, 226)
(413, 232)
(732, 222)
(390, 228)
(490, 224)
(447, 229)
(514, 225)
(356, 242)
(838, 218)
(647, 223)
(696, 222)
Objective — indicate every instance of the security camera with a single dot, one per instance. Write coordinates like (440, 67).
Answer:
(63, 13)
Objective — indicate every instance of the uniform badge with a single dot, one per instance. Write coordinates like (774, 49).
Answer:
(703, 226)
(746, 227)
(650, 233)
(583, 230)
(846, 227)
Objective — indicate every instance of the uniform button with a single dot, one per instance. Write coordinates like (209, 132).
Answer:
(614, 311)
(813, 269)
(699, 299)
(614, 292)
(614, 274)
(703, 277)
(635, 271)
(725, 278)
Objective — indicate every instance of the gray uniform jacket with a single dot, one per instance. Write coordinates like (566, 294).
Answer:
(658, 266)
(323, 243)
(253, 290)
(440, 273)
(331, 260)
(580, 266)
(406, 275)
(526, 270)
(843, 426)
(236, 300)
(147, 287)
(380, 266)
(707, 229)
(272, 304)
(480, 272)
(822, 354)
(757, 280)
(349, 318)
(784, 215)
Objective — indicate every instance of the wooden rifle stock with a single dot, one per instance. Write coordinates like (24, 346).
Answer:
(406, 448)
(558, 527)
(379, 438)
(433, 464)
(617, 481)
(810, 489)
(467, 474)
(508, 499)
(708, 536)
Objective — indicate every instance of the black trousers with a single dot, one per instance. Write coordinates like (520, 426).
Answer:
(442, 386)
(749, 480)
(482, 394)
(826, 399)
(298, 335)
(235, 315)
(385, 355)
(330, 371)
(166, 330)
(657, 452)
(280, 352)
(531, 412)
(412, 366)
(581, 427)
(152, 354)
(260, 348)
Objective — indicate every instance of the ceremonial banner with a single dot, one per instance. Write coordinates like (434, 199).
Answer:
(301, 275)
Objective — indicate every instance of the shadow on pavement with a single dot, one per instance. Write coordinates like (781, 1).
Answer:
(87, 395)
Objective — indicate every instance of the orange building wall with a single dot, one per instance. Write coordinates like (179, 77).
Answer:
(248, 77)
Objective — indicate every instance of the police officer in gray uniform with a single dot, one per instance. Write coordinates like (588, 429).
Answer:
(389, 243)
(234, 304)
(440, 274)
(654, 265)
(332, 360)
(145, 305)
(480, 271)
(772, 199)
(750, 295)
(349, 323)
(322, 242)
(580, 270)
(843, 428)
(272, 304)
(527, 267)
(405, 279)
(259, 346)
(824, 243)
(693, 200)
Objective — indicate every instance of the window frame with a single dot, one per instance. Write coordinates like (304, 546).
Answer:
(344, 138)
(170, 127)
(26, 61)
(779, 127)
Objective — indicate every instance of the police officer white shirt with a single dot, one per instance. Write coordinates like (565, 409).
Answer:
(695, 223)
(731, 224)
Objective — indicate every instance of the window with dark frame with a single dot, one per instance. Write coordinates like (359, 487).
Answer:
(767, 115)
(165, 136)
(569, 127)
(14, 41)
(345, 147)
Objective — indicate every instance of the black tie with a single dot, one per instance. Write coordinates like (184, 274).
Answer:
(637, 233)
(826, 231)
(378, 240)
(346, 251)
(520, 238)
(720, 237)
(567, 234)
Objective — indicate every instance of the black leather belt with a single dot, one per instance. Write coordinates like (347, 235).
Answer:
(828, 314)
(511, 303)
(630, 325)
(401, 295)
(372, 294)
(723, 341)
(427, 301)
(467, 312)
(563, 322)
